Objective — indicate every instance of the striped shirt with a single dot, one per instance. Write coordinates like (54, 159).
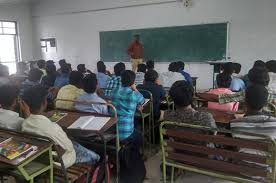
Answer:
(258, 124)
(126, 101)
(112, 83)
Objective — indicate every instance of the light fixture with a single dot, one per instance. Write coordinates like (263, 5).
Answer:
(188, 3)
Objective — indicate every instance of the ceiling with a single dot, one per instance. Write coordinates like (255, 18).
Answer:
(14, 1)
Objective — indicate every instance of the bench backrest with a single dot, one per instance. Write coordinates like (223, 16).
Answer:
(198, 147)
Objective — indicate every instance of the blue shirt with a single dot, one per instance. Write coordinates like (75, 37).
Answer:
(102, 79)
(62, 80)
(126, 101)
(93, 108)
(187, 76)
(237, 85)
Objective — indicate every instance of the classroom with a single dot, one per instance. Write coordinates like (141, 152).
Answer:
(140, 91)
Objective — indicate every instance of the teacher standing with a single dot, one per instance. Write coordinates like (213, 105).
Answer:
(135, 51)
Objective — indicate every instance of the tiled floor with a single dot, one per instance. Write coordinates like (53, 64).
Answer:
(154, 174)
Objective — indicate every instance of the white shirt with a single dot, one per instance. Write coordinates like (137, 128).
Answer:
(272, 82)
(140, 76)
(167, 79)
(4, 81)
(10, 120)
(41, 125)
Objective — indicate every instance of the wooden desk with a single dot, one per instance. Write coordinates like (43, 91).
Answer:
(33, 165)
(72, 116)
(220, 117)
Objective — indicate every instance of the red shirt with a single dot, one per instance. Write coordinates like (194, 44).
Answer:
(135, 50)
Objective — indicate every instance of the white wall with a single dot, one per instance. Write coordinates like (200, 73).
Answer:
(252, 27)
(20, 13)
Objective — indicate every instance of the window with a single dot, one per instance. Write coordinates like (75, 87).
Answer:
(9, 52)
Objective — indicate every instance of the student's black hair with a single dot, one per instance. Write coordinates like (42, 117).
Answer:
(173, 67)
(271, 66)
(65, 69)
(75, 78)
(49, 62)
(128, 78)
(150, 64)
(89, 83)
(259, 63)
(41, 64)
(35, 96)
(256, 97)
(151, 76)
(101, 67)
(62, 62)
(182, 93)
(228, 68)
(259, 76)
(142, 68)
(51, 69)
(35, 75)
(119, 68)
(237, 68)
(224, 80)
(181, 65)
(81, 68)
(8, 95)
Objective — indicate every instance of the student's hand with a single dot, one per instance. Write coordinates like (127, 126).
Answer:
(24, 108)
(133, 87)
(140, 108)
(108, 73)
(54, 91)
(158, 82)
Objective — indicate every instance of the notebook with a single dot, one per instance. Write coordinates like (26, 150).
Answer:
(89, 123)
(57, 116)
(12, 149)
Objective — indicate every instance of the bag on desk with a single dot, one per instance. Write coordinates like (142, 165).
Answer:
(132, 167)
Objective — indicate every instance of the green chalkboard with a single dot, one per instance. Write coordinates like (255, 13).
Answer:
(194, 43)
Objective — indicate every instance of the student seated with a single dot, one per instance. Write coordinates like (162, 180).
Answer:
(140, 74)
(126, 100)
(82, 69)
(41, 64)
(224, 79)
(150, 65)
(257, 76)
(50, 78)
(102, 75)
(237, 84)
(152, 85)
(72, 91)
(182, 94)
(62, 78)
(38, 124)
(90, 86)
(258, 63)
(9, 102)
(170, 77)
(186, 75)
(4, 76)
(271, 67)
(115, 81)
(255, 121)
(34, 78)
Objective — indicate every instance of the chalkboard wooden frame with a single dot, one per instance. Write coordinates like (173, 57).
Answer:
(110, 52)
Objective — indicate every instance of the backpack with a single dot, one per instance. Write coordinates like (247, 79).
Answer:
(102, 172)
(132, 167)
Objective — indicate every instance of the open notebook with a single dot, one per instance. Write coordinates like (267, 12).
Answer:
(89, 123)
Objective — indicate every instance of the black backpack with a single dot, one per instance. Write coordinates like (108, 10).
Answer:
(132, 167)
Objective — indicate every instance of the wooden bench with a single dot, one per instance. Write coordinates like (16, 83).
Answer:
(189, 147)
(72, 174)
